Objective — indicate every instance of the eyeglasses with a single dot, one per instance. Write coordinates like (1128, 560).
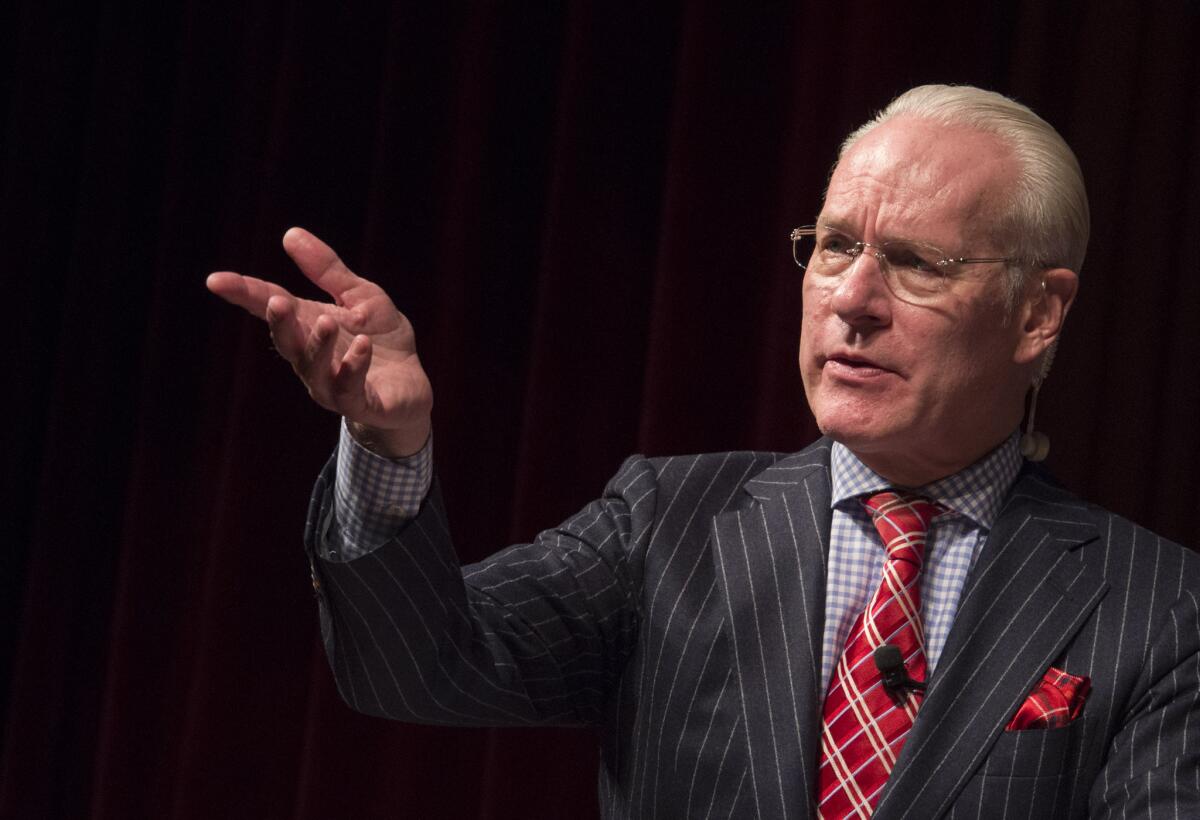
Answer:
(914, 272)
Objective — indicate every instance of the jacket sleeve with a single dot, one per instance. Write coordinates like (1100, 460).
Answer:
(1153, 764)
(536, 634)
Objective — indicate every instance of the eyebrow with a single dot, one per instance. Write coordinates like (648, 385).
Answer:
(841, 227)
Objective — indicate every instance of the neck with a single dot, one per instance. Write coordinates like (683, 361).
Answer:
(903, 471)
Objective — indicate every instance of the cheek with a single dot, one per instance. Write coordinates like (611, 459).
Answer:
(807, 328)
(963, 367)
(814, 309)
(808, 360)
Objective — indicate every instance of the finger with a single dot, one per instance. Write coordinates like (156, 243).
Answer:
(318, 262)
(316, 365)
(350, 380)
(245, 291)
(286, 331)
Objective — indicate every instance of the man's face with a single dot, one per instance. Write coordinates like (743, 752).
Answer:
(917, 392)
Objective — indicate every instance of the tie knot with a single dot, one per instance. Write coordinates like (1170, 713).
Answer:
(902, 520)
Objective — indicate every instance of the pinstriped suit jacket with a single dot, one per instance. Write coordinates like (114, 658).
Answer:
(681, 614)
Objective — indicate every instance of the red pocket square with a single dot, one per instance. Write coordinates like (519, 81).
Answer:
(1055, 701)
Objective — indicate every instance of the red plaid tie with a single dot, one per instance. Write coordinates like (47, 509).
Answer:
(863, 727)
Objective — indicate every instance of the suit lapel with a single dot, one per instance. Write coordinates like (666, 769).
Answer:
(770, 558)
(1027, 597)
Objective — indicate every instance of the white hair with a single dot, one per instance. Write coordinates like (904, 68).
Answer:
(1045, 223)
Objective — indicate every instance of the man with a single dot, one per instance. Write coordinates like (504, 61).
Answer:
(719, 617)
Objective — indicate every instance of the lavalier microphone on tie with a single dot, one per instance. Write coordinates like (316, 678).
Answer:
(890, 664)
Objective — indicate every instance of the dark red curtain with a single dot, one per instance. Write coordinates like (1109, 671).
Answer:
(585, 211)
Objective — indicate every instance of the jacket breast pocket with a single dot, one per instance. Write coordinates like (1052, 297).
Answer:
(1030, 753)
(1026, 774)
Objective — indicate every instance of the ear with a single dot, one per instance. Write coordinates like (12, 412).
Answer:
(1043, 311)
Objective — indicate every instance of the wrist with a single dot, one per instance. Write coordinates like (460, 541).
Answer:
(394, 444)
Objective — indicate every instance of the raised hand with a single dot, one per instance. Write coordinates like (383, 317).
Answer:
(357, 356)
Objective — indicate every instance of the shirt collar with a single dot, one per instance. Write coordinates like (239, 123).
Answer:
(975, 492)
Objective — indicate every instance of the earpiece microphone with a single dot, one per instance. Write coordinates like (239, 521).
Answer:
(1035, 446)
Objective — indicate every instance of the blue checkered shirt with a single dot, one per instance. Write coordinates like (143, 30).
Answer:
(374, 496)
(973, 497)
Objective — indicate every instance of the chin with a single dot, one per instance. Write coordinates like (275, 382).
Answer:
(857, 435)
(857, 440)
(857, 424)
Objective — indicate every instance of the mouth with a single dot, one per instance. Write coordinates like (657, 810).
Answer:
(855, 365)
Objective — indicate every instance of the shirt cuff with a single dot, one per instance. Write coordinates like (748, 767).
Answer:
(374, 496)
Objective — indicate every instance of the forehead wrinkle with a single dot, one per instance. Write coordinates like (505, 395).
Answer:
(894, 211)
(906, 175)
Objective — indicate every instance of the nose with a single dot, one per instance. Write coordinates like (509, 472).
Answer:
(862, 297)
